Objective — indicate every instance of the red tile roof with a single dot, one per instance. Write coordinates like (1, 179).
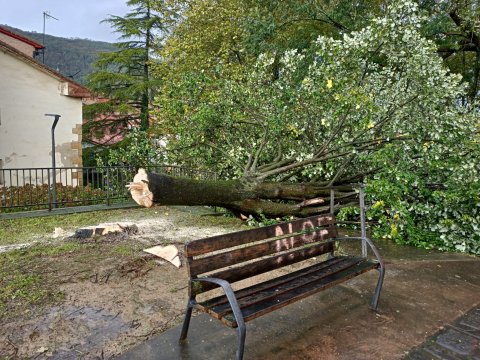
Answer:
(35, 44)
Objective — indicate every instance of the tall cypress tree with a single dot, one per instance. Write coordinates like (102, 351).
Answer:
(123, 77)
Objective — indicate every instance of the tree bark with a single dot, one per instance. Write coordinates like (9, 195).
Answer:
(246, 196)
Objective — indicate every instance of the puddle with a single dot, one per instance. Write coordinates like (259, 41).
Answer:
(71, 332)
(399, 253)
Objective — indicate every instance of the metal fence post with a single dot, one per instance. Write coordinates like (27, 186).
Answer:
(108, 186)
(49, 191)
(362, 219)
(332, 201)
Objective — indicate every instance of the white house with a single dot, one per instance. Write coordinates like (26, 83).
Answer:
(28, 91)
(21, 43)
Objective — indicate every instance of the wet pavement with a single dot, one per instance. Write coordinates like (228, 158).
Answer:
(429, 303)
(458, 340)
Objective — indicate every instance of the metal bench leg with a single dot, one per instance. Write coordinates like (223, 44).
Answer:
(186, 321)
(378, 288)
(237, 313)
(242, 330)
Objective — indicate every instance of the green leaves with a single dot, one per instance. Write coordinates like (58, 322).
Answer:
(376, 104)
(435, 189)
(137, 150)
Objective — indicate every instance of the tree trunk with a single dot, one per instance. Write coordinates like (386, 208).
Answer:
(246, 196)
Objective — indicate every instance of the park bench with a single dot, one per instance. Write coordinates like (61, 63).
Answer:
(219, 261)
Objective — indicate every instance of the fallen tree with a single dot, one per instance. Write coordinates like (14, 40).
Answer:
(240, 196)
(376, 103)
(376, 106)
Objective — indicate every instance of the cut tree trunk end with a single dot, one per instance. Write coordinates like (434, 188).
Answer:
(139, 189)
(245, 196)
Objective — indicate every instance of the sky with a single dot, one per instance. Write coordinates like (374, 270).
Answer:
(76, 19)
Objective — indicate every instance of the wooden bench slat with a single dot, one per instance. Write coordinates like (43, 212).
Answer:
(272, 283)
(301, 292)
(236, 256)
(219, 242)
(298, 292)
(285, 289)
(263, 293)
(264, 265)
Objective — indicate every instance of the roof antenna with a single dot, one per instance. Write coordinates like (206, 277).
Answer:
(73, 75)
(46, 15)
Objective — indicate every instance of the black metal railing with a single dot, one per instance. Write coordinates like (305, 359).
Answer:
(36, 188)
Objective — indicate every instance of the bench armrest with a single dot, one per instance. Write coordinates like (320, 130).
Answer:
(227, 288)
(370, 244)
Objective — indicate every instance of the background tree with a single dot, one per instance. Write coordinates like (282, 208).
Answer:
(455, 27)
(231, 34)
(219, 40)
(123, 77)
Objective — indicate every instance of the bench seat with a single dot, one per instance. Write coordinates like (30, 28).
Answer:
(273, 294)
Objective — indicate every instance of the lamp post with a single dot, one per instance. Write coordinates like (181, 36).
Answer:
(54, 170)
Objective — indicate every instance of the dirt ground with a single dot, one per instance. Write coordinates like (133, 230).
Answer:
(96, 298)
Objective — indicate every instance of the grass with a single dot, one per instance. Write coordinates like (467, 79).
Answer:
(125, 249)
(25, 278)
(23, 230)
(30, 278)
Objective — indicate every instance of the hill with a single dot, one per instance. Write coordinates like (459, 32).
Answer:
(71, 57)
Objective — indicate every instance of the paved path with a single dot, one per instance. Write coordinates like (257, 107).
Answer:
(457, 340)
(424, 291)
(196, 210)
(65, 210)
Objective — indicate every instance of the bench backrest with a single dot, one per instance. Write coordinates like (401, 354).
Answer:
(243, 254)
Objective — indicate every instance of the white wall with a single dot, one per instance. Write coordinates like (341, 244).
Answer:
(26, 95)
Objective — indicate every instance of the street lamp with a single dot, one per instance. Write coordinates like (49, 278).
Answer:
(54, 171)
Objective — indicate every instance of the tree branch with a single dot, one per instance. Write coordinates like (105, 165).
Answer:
(232, 159)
